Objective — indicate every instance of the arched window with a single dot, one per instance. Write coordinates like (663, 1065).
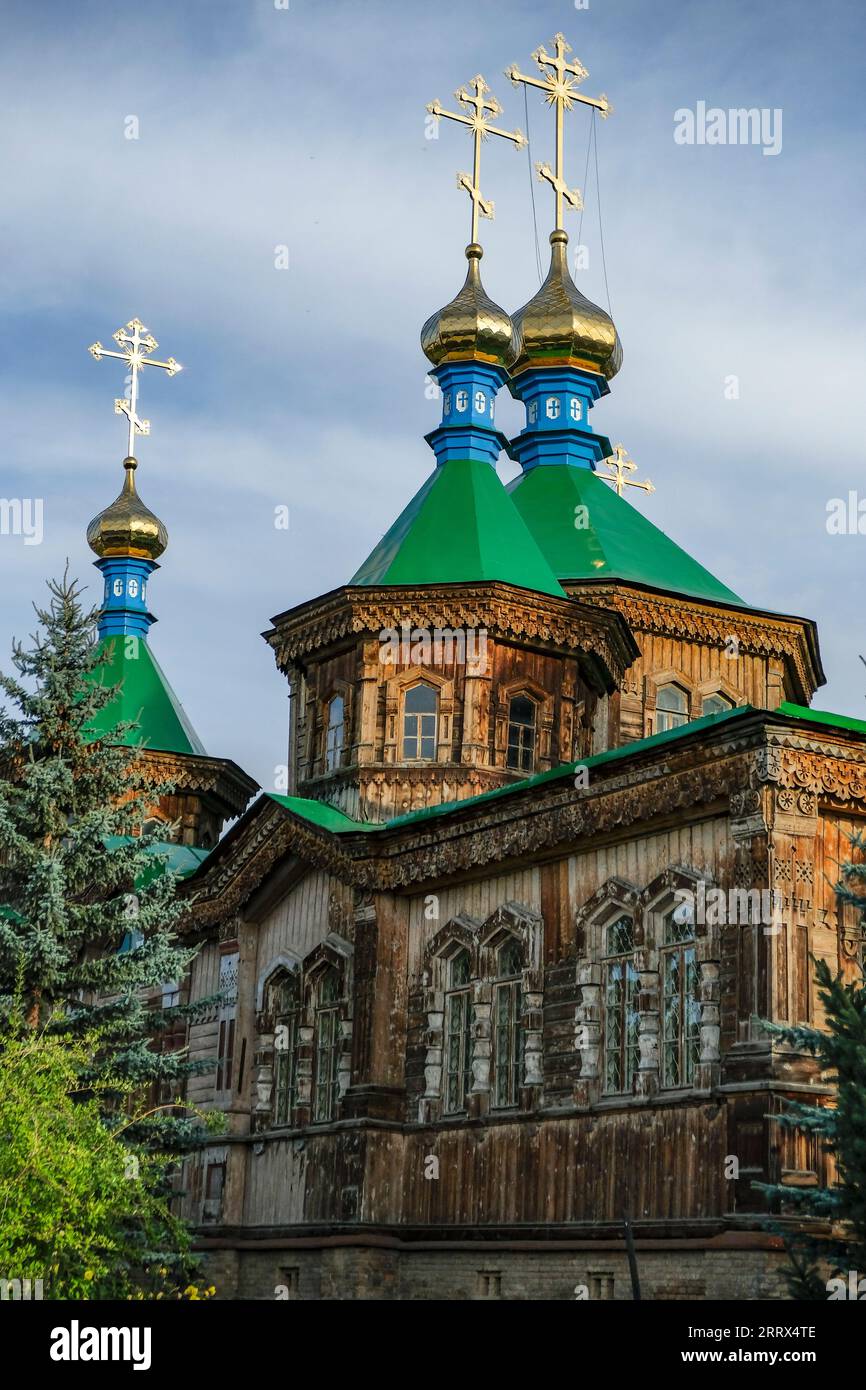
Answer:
(458, 1037)
(681, 1009)
(521, 733)
(621, 985)
(419, 723)
(507, 1030)
(326, 1045)
(334, 734)
(715, 703)
(285, 1006)
(672, 708)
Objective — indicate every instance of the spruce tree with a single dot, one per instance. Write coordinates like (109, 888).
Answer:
(80, 874)
(840, 1128)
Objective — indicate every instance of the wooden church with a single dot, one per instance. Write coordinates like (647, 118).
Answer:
(561, 830)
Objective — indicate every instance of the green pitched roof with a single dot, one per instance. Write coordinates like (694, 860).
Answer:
(617, 542)
(821, 716)
(181, 860)
(145, 696)
(460, 527)
(321, 814)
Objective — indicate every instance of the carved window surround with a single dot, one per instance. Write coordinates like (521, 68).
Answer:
(395, 689)
(345, 690)
(482, 941)
(544, 703)
(334, 953)
(648, 909)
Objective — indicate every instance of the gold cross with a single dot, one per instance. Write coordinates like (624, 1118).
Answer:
(622, 464)
(560, 85)
(479, 106)
(136, 347)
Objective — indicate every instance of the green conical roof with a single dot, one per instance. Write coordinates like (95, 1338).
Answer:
(460, 527)
(617, 541)
(145, 696)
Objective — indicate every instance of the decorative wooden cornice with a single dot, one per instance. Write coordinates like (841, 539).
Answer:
(219, 778)
(503, 611)
(539, 820)
(828, 769)
(792, 639)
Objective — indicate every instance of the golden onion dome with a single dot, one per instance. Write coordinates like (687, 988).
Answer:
(127, 527)
(471, 327)
(560, 327)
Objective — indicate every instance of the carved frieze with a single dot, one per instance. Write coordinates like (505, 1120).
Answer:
(548, 815)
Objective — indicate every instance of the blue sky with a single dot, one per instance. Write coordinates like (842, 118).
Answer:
(305, 387)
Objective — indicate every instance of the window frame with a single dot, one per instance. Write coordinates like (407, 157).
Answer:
(683, 950)
(669, 718)
(508, 987)
(419, 737)
(326, 1050)
(725, 702)
(334, 750)
(520, 748)
(458, 1001)
(229, 966)
(285, 1077)
(627, 1046)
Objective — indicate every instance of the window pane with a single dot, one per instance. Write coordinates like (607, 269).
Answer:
(521, 711)
(334, 740)
(620, 937)
(714, 704)
(326, 1063)
(284, 1003)
(419, 722)
(621, 1016)
(679, 925)
(460, 969)
(672, 1019)
(507, 1044)
(285, 1045)
(329, 989)
(692, 1012)
(613, 1028)
(672, 708)
(520, 753)
(458, 1050)
(510, 959)
(421, 699)
(671, 697)
(682, 1017)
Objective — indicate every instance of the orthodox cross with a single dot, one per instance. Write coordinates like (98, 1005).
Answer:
(135, 345)
(560, 85)
(478, 104)
(622, 464)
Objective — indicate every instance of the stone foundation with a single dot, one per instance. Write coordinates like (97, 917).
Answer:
(400, 1272)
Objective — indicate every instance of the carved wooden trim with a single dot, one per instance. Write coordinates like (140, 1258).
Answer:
(661, 782)
(757, 634)
(502, 610)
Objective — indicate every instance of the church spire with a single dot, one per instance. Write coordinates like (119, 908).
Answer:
(566, 348)
(127, 537)
(470, 341)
